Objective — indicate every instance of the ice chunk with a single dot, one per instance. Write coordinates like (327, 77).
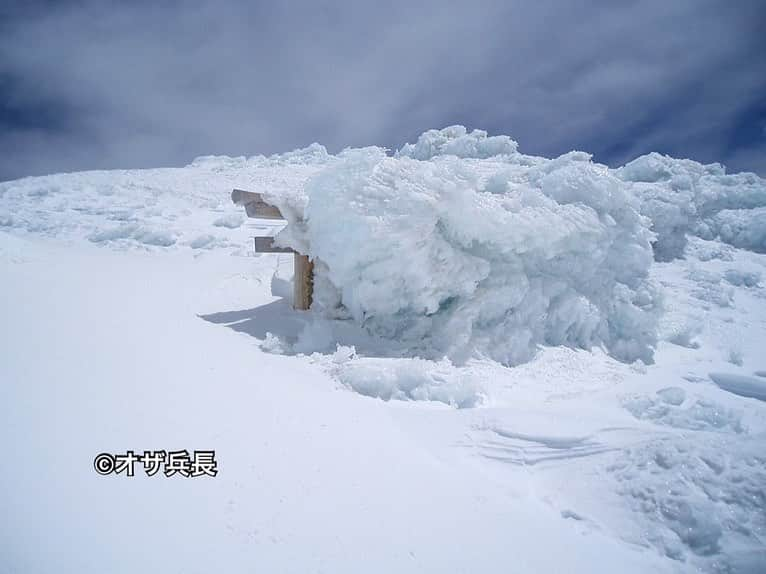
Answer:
(410, 379)
(420, 252)
(205, 241)
(735, 357)
(114, 233)
(654, 167)
(681, 196)
(741, 228)
(700, 415)
(311, 154)
(230, 221)
(742, 278)
(683, 336)
(160, 238)
(671, 214)
(742, 385)
(701, 498)
(455, 140)
(672, 395)
(710, 289)
(274, 344)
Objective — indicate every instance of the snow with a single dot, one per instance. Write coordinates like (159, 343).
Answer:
(672, 395)
(682, 197)
(700, 495)
(155, 207)
(741, 385)
(455, 140)
(739, 277)
(560, 257)
(231, 221)
(409, 379)
(667, 410)
(345, 442)
(310, 478)
(739, 227)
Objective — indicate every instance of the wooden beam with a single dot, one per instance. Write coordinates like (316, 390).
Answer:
(303, 282)
(254, 205)
(266, 245)
(303, 267)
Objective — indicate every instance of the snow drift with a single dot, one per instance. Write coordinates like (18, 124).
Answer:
(455, 140)
(682, 197)
(490, 257)
(457, 245)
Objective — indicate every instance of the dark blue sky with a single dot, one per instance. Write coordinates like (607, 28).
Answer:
(107, 84)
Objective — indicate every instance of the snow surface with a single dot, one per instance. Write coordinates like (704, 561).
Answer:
(741, 385)
(135, 316)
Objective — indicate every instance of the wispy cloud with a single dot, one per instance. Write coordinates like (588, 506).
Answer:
(90, 84)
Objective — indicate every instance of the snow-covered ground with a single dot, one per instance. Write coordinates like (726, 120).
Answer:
(135, 315)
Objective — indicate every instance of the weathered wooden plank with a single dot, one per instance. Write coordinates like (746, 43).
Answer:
(241, 197)
(266, 245)
(303, 267)
(254, 205)
(303, 282)
(263, 211)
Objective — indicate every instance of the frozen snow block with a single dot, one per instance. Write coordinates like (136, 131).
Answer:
(230, 221)
(672, 395)
(742, 278)
(419, 252)
(456, 140)
(742, 385)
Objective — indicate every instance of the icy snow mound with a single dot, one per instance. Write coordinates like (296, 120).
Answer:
(744, 228)
(682, 197)
(703, 500)
(153, 208)
(455, 140)
(467, 257)
(410, 379)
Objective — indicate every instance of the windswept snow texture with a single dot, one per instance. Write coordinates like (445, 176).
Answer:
(458, 246)
(466, 257)
(681, 196)
(136, 315)
(153, 208)
(741, 385)
(409, 379)
(455, 140)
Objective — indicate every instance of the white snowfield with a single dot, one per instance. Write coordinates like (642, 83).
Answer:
(512, 364)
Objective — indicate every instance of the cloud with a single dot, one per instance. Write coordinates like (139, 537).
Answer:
(89, 84)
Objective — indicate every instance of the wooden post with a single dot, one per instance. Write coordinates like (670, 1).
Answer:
(303, 269)
(303, 282)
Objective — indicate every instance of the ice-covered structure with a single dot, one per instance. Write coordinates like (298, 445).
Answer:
(681, 197)
(455, 140)
(465, 256)
(456, 245)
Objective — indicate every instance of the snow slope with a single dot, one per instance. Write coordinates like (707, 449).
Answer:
(135, 316)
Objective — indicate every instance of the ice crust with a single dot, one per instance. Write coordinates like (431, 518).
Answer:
(459, 245)
(455, 140)
(456, 245)
(701, 498)
(683, 197)
(464, 257)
